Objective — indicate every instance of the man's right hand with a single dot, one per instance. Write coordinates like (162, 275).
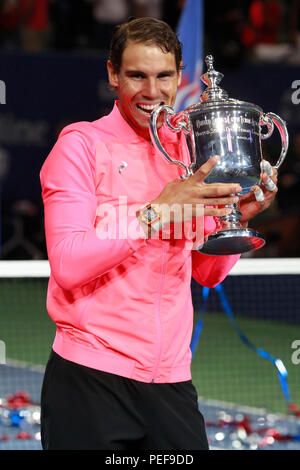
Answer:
(193, 193)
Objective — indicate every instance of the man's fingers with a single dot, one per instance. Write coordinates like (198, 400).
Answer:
(266, 167)
(219, 201)
(213, 189)
(217, 211)
(270, 185)
(218, 189)
(258, 193)
(205, 169)
(271, 173)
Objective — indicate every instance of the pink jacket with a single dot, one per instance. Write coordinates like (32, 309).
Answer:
(121, 303)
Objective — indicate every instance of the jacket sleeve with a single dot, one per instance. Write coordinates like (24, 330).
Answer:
(76, 253)
(211, 270)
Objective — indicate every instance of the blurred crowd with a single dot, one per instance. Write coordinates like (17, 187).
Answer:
(233, 29)
(73, 24)
(259, 30)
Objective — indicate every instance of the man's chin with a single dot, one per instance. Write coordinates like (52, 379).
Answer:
(142, 126)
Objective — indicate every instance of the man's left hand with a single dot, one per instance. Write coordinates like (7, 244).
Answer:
(260, 198)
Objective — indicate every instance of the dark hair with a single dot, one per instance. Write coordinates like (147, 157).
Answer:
(144, 30)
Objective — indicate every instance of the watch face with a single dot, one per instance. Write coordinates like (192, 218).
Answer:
(151, 214)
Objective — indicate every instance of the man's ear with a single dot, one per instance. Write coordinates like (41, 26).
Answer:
(112, 75)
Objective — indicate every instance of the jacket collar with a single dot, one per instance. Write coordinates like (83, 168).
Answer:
(119, 127)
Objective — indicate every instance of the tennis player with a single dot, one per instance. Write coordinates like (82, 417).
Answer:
(119, 374)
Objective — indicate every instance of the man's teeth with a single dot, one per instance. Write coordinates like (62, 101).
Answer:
(148, 107)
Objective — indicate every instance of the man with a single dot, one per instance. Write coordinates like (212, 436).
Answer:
(118, 377)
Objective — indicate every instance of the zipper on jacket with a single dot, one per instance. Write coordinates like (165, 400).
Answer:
(157, 312)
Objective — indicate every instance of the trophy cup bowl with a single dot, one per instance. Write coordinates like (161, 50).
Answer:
(232, 129)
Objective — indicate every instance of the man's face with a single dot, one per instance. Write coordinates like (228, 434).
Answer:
(148, 77)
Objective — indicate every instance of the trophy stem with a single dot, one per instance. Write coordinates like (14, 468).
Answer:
(232, 220)
(231, 238)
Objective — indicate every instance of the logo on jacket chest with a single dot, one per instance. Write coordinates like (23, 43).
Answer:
(122, 166)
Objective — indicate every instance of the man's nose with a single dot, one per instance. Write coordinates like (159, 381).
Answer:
(150, 89)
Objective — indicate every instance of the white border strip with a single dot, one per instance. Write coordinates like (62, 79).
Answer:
(13, 269)
(245, 266)
(248, 266)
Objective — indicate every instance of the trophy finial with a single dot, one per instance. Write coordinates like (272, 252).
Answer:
(212, 78)
(209, 62)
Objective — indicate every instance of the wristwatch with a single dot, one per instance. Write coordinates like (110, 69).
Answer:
(149, 215)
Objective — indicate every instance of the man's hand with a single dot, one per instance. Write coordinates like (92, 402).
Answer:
(210, 199)
(261, 197)
(193, 193)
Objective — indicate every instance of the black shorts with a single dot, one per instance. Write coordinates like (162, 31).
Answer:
(83, 408)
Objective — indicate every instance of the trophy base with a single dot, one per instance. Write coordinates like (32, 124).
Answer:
(232, 242)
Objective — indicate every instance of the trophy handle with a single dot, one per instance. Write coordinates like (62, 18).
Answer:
(269, 119)
(169, 111)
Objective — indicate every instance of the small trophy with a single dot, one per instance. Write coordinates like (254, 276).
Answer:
(232, 129)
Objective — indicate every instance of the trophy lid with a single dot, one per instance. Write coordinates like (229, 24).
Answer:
(214, 96)
(212, 78)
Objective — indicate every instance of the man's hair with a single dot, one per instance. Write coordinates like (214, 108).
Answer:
(148, 31)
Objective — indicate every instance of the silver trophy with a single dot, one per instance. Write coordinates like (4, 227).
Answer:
(232, 129)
